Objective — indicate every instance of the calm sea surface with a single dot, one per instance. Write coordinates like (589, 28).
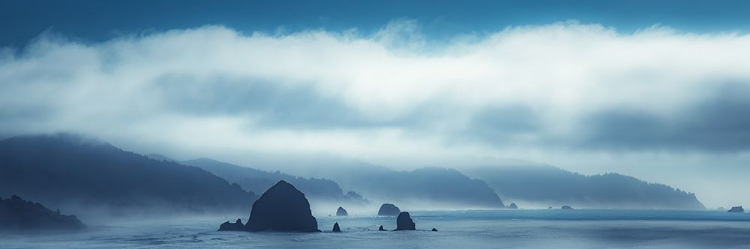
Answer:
(457, 229)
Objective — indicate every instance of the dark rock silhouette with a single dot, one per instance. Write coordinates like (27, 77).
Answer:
(381, 228)
(737, 209)
(341, 212)
(336, 228)
(566, 207)
(513, 206)
(434, 229)
(18, 214)
(282, 208)
(388, 209)
(404, 222)
(236, 226)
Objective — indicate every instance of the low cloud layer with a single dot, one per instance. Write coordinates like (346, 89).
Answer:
(523, 91)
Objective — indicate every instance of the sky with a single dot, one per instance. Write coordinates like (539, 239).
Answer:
(653, 89)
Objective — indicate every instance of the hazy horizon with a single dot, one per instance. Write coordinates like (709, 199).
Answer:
(655, 91)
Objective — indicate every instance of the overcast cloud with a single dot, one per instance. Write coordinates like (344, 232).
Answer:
(530, 92)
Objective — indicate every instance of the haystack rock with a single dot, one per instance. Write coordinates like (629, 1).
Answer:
(404, 222)
(434, 229)
(566, 207)
(281, 208)
(737, 209)
(381, 228)
(388, 209)
(341, 212)
(336, 228)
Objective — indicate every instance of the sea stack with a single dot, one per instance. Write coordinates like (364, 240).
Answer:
(336, 228)
(404, 222)
(513, 206)
(341, 212)
(236, 226)
(737, 209)
(566, 207)
(381, 228)
(281, 208)
(16, 213)
(388, 209)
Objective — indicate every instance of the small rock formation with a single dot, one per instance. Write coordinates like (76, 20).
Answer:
(404, 222)
(549, 207)
(566, 207)
(281, 208)
(236, 226)
(381, 228)
(513, 206)
(388, 209)
(336, 228)
(737, 209)
(341, 212)
(434, 229)
(16, 213)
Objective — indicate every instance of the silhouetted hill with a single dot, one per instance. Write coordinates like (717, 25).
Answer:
(259, 181)
(552, 186)
(160, 157)
(65, 170)
(447, 187)
(18, 214)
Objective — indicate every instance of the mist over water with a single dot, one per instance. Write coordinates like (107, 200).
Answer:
(457, 229)
(500, 124)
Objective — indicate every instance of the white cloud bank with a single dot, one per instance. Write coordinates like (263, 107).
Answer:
(563, 93)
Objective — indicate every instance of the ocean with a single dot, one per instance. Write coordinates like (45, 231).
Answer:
(457, 229)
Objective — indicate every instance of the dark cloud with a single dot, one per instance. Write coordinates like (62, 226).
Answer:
(502, 125)
(719, 123)
(271, 105)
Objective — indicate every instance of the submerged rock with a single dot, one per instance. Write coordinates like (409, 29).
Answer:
(381, 228)
(281, 208)
(404, 222)
(513, 206)
(16, 213)
(737, 209)
(336, 227)
(388, 209)
(236, 226)
(341, 212)
(434, 229)
(566, 207)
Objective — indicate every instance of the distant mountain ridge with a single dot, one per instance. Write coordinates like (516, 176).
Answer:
(439, 186)
(68, 170)
(548, 185)
(259, 181)
(63, 169)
